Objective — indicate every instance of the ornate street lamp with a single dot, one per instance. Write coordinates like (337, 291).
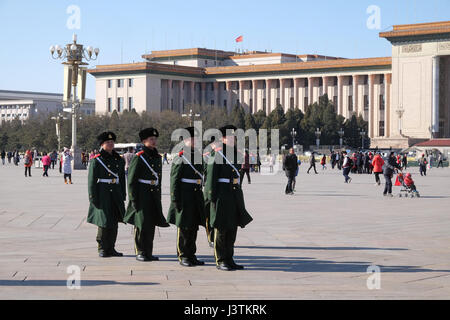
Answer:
(400, 112)
(191, 116)
(58, 119)
(317, 133)
(293, 134)
(341, 134)
(362, 133)
(72, 55)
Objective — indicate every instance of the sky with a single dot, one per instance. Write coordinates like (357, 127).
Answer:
(124, 30)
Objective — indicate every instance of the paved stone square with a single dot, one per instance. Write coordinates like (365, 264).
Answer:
(316, 244)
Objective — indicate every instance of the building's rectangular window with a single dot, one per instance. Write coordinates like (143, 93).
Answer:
(366, 102)
(278, 102)
(381, 102)
(224, 103)
(212, 102)
(109, 84)
(251, 104)
(264, 104)
(381, 129)
(335, 102)
(119, 104)
(335, 81)
(130, 103)
(350, 103)
(365, 79)
(381, 78)
(109, 105)
(305, 101)
(171, 104)
(130, 83)
(119, 83)
(291, 102)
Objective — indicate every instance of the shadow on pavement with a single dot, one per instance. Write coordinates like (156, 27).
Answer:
(63, 283)
(317, 248)
(296, 264)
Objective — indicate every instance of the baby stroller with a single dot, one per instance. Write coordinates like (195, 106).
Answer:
(408, 188)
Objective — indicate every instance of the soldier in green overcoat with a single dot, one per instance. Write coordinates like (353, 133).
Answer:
(208, 227)
(107, 193)
(224, 195)
(144, 209)
(187, 205)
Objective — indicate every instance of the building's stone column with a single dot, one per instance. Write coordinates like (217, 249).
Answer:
(254, 107)
(296, 94)
(325, 81)
(180, 103)
(371, 105)
(268, 96)
(340, 85)
(387, 104)
(355, 94)
(192, 92)
(229, 103)
(435, 105)
(203, 93)
(216, 94)
(310, 90)
(282, 94)
(169, 94)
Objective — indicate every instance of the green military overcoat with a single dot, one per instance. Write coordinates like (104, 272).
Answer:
(144, 206)
(106, 200)
(189, 196)
(226, 200)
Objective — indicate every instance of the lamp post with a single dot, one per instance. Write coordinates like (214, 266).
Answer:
(400, 112)
(72, 55)
(341, 134)
(191, 116)
(293, 134)
(58, 119)
(317, 133)
(362, 133)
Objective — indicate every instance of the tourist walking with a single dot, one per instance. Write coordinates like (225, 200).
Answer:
(312, 163)
(67, 165)
(440, 161)
(377, 163)
(347, 165)
(3, 156)
(46, 162)
(323, 162)
(423, 165)
(127, 157)
(27, 162)
(290, 167)
(245, 168)
(389, 168)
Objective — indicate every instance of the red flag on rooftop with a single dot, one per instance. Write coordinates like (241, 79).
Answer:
(240, 39)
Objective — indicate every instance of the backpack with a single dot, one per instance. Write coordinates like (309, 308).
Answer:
(350, 162)
(26, 160)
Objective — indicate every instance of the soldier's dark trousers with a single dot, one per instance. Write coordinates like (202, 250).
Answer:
(224, 245)
(106, 238)
(209, 231)
(143, 240)
(186, 243)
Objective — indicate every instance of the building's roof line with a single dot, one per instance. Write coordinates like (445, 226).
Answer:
(434, 143)
(196, 71)
(30, 92)
(188, 52)
(292, 66)
(417, 29)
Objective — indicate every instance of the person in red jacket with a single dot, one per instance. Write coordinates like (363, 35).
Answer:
(46, 161)
(28, 160)
(377, 164)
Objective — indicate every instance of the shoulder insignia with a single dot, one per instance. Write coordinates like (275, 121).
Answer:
(139, 153)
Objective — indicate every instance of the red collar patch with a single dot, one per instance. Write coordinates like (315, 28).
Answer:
(140, 153)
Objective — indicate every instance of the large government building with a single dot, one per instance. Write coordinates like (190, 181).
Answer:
(405, 97)
(24, 105)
